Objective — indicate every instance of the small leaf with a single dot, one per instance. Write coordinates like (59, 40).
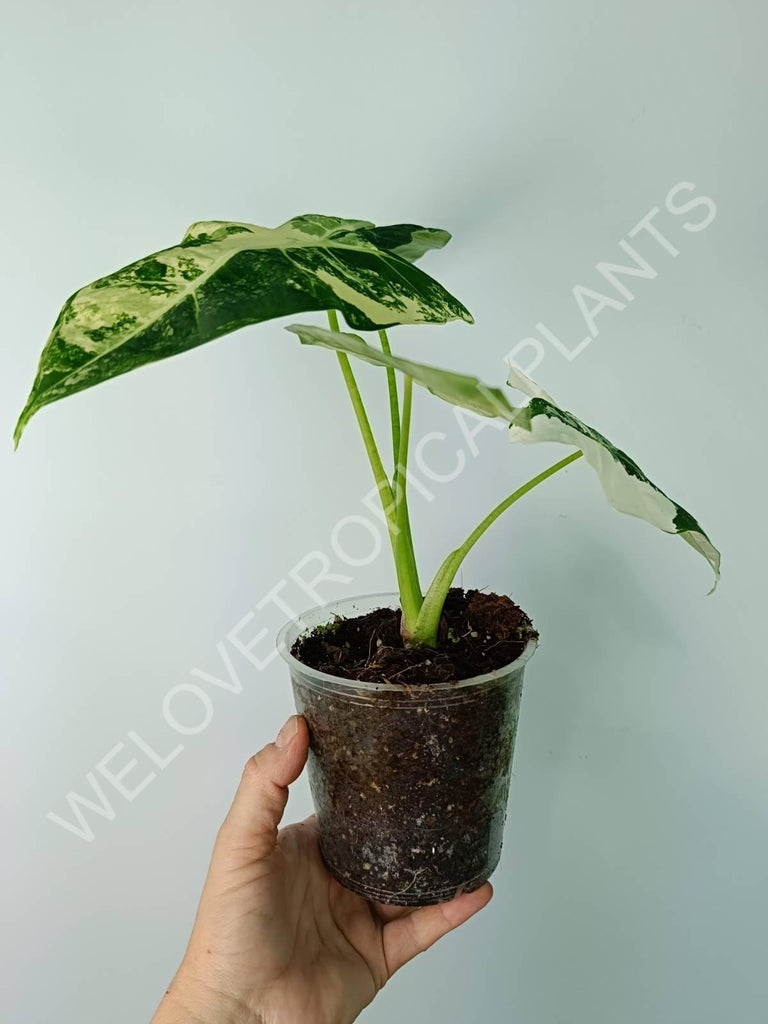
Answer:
(626, 486)
(226, 275)
(456, 388)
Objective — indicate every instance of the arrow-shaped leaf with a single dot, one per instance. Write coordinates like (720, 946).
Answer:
(226, 275)
(626, 486)
(456, 388)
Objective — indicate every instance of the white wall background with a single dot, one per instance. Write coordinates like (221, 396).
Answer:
(144, 519)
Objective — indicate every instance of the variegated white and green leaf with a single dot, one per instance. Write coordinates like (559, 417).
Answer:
(456, 388)
(626, 486)
(226, 275)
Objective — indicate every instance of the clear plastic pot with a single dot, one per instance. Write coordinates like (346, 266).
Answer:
(409, 783)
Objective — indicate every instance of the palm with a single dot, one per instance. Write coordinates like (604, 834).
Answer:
(329, 944)
(280, 935)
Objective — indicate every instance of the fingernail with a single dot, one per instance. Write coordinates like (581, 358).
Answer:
(288, 731)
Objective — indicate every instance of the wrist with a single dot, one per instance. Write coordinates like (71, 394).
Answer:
(189, 1000)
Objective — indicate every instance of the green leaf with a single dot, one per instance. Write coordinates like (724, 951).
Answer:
(626, 486)
(227, 275)
(456, 388)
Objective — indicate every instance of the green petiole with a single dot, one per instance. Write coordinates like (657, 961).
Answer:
(428, 622)
(391, 498)
(421, 614)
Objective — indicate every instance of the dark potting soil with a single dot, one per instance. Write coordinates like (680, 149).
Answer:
(410, 785)
(479, 632)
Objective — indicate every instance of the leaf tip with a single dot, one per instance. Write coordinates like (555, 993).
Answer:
(296, 329)
(19, 428)
(440, 237)
(716, 569)
(700, 542)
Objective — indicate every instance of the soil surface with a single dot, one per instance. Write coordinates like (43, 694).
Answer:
(479, 632)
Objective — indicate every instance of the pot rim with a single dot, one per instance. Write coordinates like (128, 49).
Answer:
(386, 599)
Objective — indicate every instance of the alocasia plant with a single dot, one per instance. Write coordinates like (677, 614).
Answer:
(227, 275)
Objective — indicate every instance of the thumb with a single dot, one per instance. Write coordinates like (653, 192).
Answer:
(252, 821)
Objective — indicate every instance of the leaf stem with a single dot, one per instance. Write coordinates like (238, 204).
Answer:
(410, 595)
(428, 621)
(405, 549)
(394, 405)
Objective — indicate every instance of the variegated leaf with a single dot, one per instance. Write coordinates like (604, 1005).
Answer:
(227, 275)
(456, 388)
(626, 486)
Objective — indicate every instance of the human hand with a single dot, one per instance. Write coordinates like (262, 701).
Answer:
(277, 940)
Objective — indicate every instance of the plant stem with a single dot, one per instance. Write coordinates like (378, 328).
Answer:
(394, 405)
(379, 473)
(401, 456)
(428, 621)
(410, 595)
(402, 518)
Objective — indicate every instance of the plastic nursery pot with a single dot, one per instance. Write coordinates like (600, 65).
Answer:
(410, 784)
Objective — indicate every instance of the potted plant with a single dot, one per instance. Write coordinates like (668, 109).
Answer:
(411, 701)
